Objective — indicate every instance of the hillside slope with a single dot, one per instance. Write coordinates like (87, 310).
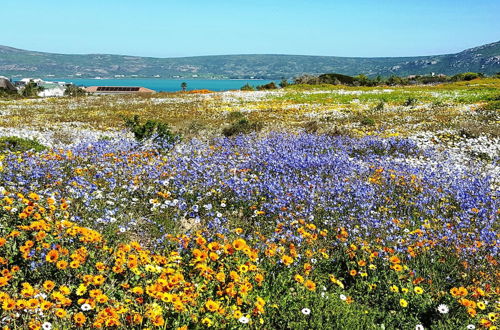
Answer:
(22, 63)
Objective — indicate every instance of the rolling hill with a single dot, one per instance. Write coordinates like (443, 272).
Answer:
(23, 63)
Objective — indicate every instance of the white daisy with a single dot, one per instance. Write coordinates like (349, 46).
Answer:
(86, 307)
(419, 327)
(47, 326)
(443, 309)
(471, 326)
(306, 311)
(243, 320)
(343, 297)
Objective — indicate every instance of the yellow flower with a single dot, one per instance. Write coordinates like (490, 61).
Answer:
(207, 322)
(481, 305)
(394, 288)
(212, 306)
(418, 290)
(60, 313)
(239, 244)
(403, 303)
(286, 260)
(81, 290)
(310, 285)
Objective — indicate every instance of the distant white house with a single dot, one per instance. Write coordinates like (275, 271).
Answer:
(52, 90)
(27, 80)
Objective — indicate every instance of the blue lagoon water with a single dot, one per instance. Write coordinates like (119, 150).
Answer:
(167, 85)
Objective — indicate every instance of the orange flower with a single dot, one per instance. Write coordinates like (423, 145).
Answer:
(239, 244)
(62, 264)
(394, 260)
(49, 285)
(60, 313)
(158, 321)
(299, 278)
(397, 267)
(310, 285)
(79, 319)
(52, 256)
(8, 304)
(212, 306)
(98, 280)
(353, 272)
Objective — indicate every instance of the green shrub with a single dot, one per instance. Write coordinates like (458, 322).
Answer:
(411, 101)
(235, 115)
(74, 91)
(336, 79)
(151, 129)
(17, 144)
(467, 76)
(379, 107)
(247, 87)
(284, 83)
(367, 121)
(271, 85)
(311, 126)
(242, 126)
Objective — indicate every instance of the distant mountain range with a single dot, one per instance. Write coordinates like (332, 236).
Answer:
(23, 63)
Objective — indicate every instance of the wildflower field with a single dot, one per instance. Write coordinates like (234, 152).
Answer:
(349, 208)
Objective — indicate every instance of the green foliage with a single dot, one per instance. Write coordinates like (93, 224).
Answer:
(271, 85)
(74, 91)
(241, 126)
(335, 79)
(311, 126)
(379, 107)
(367, 121)
(151, 129)
(247, 87)
(467, 76)
(31, 90)
(17, 144)
(235, 115)
(284, 83)
(411, 101)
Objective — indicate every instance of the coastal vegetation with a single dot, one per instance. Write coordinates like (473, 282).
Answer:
(314, 205)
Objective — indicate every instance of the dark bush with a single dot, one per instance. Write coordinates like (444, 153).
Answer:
(235, 115)
(467, 76)
(284, 83)
(17, 144)
(74, 91)
(151, 129)
(271, 85)
(311, 126)
(367, 121)
(411, 101)
(242, 126)
(247, 87)
(335, 78)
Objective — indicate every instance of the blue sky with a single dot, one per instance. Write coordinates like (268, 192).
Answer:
(165, 28)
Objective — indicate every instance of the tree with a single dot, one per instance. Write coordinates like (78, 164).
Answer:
(31, 89)
(247, 87)
(284, 83)
(184, 86)
(72, 90)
